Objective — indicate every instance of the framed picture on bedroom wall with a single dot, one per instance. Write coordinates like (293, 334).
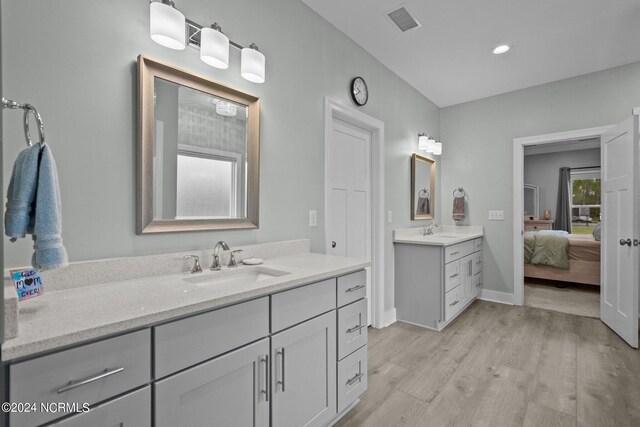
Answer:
(423, 184)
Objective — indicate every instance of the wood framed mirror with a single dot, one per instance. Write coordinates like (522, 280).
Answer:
(423, 187)
(198, 152)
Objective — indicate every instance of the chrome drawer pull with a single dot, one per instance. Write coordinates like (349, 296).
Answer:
(479, 284)
(76, 384)
(265, 359)
(355, 288)
(455, 275)
(355, 379)
(454, 303)
(455, 253)
(354, 329)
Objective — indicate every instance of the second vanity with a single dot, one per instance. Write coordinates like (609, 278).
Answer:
(437, 276)
(288, 349)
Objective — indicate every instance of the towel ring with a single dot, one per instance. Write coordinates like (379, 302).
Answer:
(423, 192)
(28, 108)
(461, 190)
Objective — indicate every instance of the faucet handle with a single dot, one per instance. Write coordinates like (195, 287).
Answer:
(232, 259)
(215, 263)
(196, 264)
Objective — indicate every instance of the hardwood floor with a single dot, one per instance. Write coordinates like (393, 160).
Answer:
(583, 300)
(500, 365)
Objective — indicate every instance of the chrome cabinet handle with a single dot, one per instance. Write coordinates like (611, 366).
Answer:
(470, 267)
(355, 288)
(455, 253)
(454, 303)
(265, 391)
(455, 275)
(355, 378)
(354, 329)
(281, 353)
(625, 242)
(479, 284)
(75, 384)
(333, 244)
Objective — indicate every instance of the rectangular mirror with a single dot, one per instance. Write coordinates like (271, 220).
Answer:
(198, 149)
(423, 184)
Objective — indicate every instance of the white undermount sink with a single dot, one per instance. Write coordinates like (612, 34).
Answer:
(234, 277)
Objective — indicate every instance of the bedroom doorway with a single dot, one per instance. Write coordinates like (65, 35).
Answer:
(541, 289)
(566, 280)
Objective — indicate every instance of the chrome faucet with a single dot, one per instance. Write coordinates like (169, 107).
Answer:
(428, 231)
(215, 264)
(196, 263)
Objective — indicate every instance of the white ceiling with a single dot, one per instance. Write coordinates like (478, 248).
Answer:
(449, 58)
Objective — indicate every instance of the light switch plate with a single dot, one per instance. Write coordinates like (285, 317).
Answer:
(496, 215)
(313, 218)
(389, 217)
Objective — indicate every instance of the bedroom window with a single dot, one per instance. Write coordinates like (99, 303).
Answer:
(585, 200)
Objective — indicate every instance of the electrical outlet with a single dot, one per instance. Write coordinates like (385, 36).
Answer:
(313, 218)
(389, 217)
(496, 215)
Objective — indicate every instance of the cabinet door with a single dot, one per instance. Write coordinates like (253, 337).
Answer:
(130, 410)
(466, 278)
(303, 369)
(230, 390)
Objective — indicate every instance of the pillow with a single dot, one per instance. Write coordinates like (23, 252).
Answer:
(597, 232)
(552, 233)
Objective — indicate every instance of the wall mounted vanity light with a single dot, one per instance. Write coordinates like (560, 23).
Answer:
(429, 144)
(170, 28)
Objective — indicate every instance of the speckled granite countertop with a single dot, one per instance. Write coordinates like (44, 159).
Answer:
(70, 316)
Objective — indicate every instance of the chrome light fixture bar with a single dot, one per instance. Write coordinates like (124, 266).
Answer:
(213, 43)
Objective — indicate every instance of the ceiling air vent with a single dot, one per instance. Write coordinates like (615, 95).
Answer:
(403, 19)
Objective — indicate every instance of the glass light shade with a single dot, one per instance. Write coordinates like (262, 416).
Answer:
(214, 48)
(227, 109)
(437, 148)
(430, 145)
(422, 142)
(167, 26)
(252, 65)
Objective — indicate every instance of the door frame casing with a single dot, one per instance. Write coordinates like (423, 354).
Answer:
(334, 109)
(518, 193)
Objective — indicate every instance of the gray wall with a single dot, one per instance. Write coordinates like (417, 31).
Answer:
(542, 170)
(76, 64)
(478, 138)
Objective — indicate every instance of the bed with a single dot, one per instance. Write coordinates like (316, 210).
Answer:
(583, 262)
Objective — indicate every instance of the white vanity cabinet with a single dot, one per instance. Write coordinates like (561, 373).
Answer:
(435, 283)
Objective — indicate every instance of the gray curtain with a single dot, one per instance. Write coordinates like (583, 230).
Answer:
(563, 210)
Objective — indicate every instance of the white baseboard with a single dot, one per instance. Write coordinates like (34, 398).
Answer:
(389, 317)
(495, 296)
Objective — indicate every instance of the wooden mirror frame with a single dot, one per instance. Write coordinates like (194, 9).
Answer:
(148, 70)
(432, 190)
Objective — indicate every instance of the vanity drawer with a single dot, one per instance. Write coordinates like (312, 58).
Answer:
(90, 373)
(451, 275)
(189, 341)
(352, 327)
(457, 251)
(352, 378)
(130, 410)
(477, 244)
(477, 263)
(297, 305)
(352, 287)
(452, 303)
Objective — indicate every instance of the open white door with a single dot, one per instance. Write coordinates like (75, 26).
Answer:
(620, 232)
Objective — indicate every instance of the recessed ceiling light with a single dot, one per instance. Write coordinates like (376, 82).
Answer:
(503, 48)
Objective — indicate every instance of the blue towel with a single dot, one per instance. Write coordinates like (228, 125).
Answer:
(20, 218)
(44, 218)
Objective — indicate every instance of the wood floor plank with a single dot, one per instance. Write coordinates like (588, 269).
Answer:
(526, 344)
(606, 396)
(540, 416)
(399, 409)
(505, 401)
(625, 356)
(593, 335)
(581, 300)
(554, 384)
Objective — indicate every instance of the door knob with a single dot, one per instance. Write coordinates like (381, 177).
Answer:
(625, 242)
(333, 244)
